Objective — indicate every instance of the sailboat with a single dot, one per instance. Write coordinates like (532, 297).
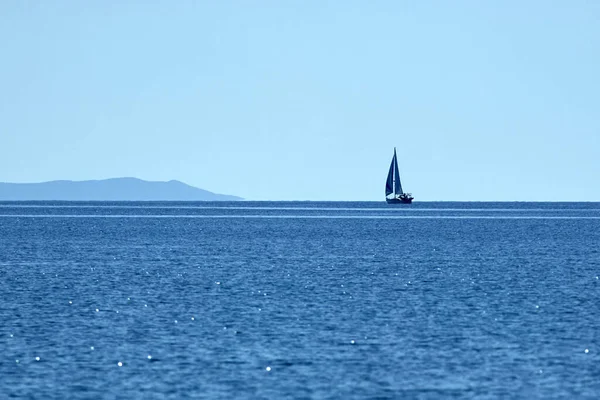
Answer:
(393, 187)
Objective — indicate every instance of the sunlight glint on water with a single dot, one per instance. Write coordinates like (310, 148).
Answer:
(299, 299)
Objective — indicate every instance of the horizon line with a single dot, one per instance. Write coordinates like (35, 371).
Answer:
(245, 200)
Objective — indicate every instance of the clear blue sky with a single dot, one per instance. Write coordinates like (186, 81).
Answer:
(282, 100)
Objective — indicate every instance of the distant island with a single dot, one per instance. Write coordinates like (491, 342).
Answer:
(116, 189)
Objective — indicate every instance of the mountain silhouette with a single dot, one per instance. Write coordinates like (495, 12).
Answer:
(115, 189)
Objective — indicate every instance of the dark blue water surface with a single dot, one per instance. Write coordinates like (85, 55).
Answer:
(299, 300)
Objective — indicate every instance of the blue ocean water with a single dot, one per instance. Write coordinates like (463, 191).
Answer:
(299, 300)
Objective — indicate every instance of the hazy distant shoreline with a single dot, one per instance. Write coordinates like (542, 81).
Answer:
(115, 189)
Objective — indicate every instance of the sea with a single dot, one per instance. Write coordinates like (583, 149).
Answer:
(309, 300)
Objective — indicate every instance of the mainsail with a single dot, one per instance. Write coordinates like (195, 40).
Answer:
(397, 184)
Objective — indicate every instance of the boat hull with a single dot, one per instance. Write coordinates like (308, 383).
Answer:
(397, 200)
